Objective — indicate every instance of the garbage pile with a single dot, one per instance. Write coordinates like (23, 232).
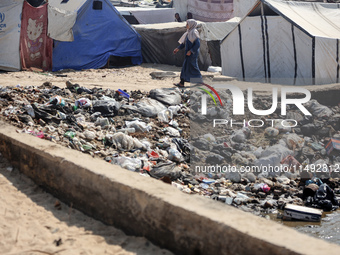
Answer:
(162, 134)
(262, 163)
(140, 131)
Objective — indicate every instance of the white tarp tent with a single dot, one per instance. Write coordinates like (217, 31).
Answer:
(211, 10)
(242, 7)
(10, 22)
(149, 15)
(181, 7)
(226, 9)
(61, 19)
(285, 41)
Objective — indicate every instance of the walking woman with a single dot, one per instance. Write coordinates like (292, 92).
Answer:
(191, 41)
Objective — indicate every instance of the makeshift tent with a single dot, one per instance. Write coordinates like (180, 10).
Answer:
(99, 32)
(181, 7)
(148, 15)
(35, 45)
(285, 42)
(159, 41)
(242, 7)
(10, 22)
(211, 10)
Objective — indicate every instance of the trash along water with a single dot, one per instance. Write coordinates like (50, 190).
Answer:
(164, 135)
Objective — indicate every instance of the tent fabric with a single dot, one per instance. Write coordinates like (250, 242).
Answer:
(35, 45)
(211, 10)
(317, 19)
(60, 24)
(211, 31)
(242, 7)
(159, 41)
(98, 34)
(149, 15)
(69, 6)
(10, 22)
(280, 47)
(181, 7)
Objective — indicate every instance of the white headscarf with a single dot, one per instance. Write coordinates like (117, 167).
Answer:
(191, 32)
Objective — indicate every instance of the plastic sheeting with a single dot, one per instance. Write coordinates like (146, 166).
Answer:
(149, 15)
(211, 10)
(159, 41)
(10, 22)
(60, 24)
(181, 7)
(35, 45)
(317, 19)
(243, 7)
(211, 31)
(280, 49)
(98, 34)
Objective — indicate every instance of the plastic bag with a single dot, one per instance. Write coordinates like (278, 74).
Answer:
(29, 109)
(241, 135)
(56, 100)
(103, 122)
(107, 108)
(131, 164)
(138, 126)
(165, 116)
(172, 132)
(174, 109)
(175, 155)
(262, 186)
(318, 109)
(125, 142)
(149, 107)
(168, 169)
(271, 132)
(89, 135)
(294, 141)
(83, 103)
(168, 97)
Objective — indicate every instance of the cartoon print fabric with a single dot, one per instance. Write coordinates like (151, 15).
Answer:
(35, 45)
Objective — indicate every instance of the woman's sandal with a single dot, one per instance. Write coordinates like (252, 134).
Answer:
(179, 85)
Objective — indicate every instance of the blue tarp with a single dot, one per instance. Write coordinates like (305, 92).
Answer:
(98, 34)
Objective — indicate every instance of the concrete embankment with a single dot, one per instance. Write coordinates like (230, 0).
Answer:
(185, 224)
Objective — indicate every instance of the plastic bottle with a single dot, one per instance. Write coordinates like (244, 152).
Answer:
(70, 134)
(29, 110)
(123, 93)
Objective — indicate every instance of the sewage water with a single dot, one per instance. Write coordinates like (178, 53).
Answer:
(328, 229)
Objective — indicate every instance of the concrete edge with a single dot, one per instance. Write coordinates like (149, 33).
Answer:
(182, 223)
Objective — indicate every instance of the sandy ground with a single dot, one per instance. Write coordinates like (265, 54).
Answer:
(34, 222)
(130, 78)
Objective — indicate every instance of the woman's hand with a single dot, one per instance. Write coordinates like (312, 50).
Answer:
(189, 53)
(176, 50)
